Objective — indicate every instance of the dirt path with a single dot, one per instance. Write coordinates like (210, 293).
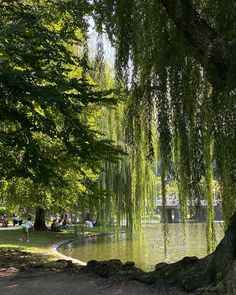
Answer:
(22, 273)
(53, 282)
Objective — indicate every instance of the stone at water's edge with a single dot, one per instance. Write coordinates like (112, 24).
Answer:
(165, 274)
(109, 268)
(214, 274)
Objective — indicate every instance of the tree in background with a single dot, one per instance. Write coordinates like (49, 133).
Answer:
(49, 151)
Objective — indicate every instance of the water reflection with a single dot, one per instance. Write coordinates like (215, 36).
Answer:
(145, 248)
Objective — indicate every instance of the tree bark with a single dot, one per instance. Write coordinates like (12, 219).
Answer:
(214, 52)
(40, 220)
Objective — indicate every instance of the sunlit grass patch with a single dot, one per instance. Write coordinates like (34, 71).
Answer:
(40, 242)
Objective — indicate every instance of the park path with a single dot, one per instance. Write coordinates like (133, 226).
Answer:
(44, 282)
(9, 227)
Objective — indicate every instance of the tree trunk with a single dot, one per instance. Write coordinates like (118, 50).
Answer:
(222, 264)
(40, 223)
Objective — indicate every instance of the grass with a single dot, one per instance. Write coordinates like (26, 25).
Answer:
(38, 252)
(40, 242)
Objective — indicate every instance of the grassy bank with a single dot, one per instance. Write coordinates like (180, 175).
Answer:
(40, 242)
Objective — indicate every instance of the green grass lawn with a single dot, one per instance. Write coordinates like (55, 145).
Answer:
(40, 242)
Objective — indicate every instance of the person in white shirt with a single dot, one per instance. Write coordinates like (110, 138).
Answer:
(25, 230)
(88, 224)
(16, 219)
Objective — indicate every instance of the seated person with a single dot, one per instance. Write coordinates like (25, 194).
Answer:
(60, 222)
(64, 223)
(4, 220)
(65, 220)
(16, 220)
(88, 224)
(55, 226)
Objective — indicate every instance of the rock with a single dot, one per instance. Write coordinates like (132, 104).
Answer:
(161, 265)
(128, 265)
(189, 260)
(69, 263)
(104, 268)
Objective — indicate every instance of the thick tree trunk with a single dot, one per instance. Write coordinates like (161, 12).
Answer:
(40, 223)
(222, 264)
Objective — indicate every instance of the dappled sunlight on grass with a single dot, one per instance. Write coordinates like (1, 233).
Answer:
(40, 242)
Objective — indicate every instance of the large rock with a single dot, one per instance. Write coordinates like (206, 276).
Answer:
(108, 268)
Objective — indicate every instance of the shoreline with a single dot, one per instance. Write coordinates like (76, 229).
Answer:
(54, 248)
(57, 245)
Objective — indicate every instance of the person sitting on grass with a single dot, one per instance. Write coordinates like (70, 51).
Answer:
(88, 224)
(16, 220)
(25, 230)
(65, 221)
(5, 220)
(55, 226)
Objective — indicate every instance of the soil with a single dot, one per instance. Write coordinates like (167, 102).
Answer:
(26, 274)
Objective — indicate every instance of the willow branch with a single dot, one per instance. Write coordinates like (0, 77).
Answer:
(211, 48)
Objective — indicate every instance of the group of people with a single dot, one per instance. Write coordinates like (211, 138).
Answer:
(57, 224)
(16, 219)
(25, 226)
(62, 222)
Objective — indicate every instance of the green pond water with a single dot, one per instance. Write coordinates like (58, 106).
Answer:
(146, 249)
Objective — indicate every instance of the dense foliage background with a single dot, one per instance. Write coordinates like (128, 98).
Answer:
(175, 114)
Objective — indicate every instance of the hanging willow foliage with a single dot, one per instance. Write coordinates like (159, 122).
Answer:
(130, 182)
(175, 83)
(125, 190)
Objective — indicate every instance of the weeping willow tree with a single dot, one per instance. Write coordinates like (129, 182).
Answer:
(180, 66)
(130, 182)
(125, 190)
(177, 58)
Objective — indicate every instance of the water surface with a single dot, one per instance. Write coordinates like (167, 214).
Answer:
(145, 249)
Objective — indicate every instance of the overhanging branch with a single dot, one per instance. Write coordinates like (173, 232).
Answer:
(214, 51)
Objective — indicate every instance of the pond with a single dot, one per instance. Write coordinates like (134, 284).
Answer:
(146, 249)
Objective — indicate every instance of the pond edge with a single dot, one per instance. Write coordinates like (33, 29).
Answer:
(57, 245)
